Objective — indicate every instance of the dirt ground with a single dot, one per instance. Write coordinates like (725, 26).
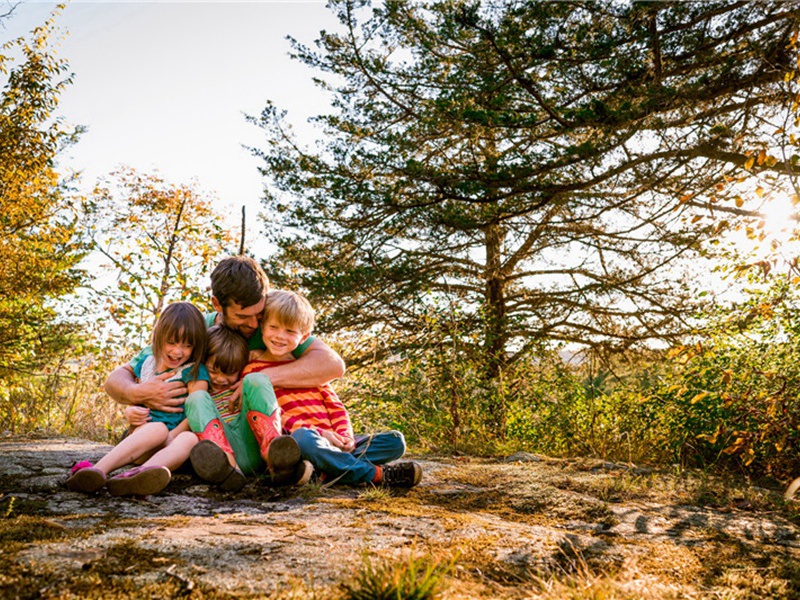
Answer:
(522, 526)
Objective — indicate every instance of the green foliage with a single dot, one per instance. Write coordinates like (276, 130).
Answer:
(418, 578)
(735, 394)
(497, 177)
(66, 398)
(40, 238)
(159, 241)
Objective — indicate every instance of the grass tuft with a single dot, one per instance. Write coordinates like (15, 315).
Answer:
(418, 578)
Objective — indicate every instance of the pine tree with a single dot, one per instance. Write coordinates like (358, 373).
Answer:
(499, 176)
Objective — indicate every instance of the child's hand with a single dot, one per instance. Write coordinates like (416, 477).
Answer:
(338, 441)
(235, 401)
(348, 444)
(137, 415)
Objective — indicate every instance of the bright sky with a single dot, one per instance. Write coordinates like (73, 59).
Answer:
(164, 85)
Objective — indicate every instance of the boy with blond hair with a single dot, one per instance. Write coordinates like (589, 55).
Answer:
(315, 417)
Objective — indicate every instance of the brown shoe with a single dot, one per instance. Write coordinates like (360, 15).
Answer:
(282, 456)
(211, 464)
(403, 474)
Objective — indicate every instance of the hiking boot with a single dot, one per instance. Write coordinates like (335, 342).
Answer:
(140, 481)
(85, 478)
(283, 456)
(404, 474)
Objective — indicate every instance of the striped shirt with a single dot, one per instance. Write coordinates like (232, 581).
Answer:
(221, 402)
(317, 408)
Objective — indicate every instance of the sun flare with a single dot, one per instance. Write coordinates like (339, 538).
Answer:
(780, 219)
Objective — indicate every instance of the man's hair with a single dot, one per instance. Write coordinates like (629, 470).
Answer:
(181, 322)
(239, 279)
(290, 309)
(228, 349)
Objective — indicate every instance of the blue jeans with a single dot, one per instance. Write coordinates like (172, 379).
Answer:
(353, 467)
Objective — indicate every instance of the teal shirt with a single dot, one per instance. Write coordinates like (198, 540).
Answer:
(170, 419)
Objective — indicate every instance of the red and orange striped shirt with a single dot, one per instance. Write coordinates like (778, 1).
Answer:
(316, 408)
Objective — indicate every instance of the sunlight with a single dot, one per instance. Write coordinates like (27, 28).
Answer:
(780, 219)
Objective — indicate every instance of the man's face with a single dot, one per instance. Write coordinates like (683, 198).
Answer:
(245, 320)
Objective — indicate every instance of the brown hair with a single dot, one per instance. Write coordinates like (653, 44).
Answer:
(239, 279)
(290, 309)
(181, 322)
(228, 349)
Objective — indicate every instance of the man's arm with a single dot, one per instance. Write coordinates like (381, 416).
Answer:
(157, 393)
(318, 365)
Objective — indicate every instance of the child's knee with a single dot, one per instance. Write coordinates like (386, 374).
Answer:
(257, 394)
(303, 435)
(197, 399)
(158, 432)
(255, 381)
(400, 439)
(187, 439)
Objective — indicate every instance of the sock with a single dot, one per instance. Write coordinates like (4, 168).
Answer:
(378, 477)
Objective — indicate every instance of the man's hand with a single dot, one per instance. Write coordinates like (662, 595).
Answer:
(137, 415)
(156, 394)
(160, 394)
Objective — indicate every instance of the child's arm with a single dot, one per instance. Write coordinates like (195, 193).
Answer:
(198, 385)
(196, 380)
(338, 416)
(182, 426)
(318, 366)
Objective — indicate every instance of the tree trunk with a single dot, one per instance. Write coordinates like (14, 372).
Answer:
(495, 333)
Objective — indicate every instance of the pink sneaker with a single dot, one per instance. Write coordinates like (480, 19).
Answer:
(85, 478)
(140, 481)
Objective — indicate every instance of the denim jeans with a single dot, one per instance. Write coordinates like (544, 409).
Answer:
(353, 467)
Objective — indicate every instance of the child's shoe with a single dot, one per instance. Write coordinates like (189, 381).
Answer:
(140, 481)
(404, 474)
(211, 464)
(303, 472)
(300, 475)
(85, 478)
(283, 456)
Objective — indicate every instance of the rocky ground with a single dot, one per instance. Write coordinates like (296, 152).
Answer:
(522, 526)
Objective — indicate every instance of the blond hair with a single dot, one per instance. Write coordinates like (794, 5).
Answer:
(290, 309)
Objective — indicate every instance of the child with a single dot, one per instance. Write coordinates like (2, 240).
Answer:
(178, 344)
(231, 442)
(315, 417)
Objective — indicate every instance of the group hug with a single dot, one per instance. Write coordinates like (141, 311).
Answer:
(242, 391)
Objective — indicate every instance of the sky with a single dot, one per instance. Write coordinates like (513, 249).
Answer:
(163, 87)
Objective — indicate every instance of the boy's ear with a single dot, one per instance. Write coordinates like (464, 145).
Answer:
(215, 303)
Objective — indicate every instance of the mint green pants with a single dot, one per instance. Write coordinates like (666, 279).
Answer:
(257, 395)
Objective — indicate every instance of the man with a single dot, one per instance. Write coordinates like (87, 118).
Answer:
(239, 288)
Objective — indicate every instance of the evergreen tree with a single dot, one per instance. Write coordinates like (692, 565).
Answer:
(532, 171)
